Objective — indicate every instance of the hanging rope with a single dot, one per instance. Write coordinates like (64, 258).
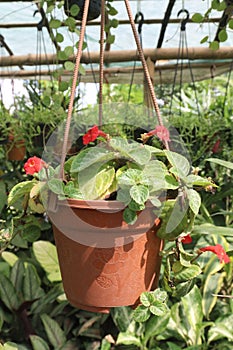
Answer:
(101, 75)
(145, 68)
(183, 45)
(74, 82)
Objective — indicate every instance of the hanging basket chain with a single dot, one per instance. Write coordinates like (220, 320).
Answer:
(101, 67)
(73, 88)
(145, 68)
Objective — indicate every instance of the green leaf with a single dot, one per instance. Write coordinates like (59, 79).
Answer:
(31, 233)
(135, 206)
(222, 35)
(56, 186)
(230, 24)
(55, 23)
(74, 10)
(3, 195)
(8, 294)
(147, 298)
(197, 18)
(69, 66)
(221, 329)
(130, 177)
(54, 332)
(192, 306)
(128, 338)
(46, 253)
(158, 309)
(123, 196)
(17, 275)
(194, 200)
(139, 193)
(19, 191)
(10, 258)
(69, 51)
(155, 326)
(105, 345)
(180, 164)
(31, 284)
(38, 343)
(221, 162)
(129, 216)
(212, 285)
(89, 157)
(93, 183)
(122, 317)
(214, 45)
(188, 273)
(141, 313)
(159, 295)
(59, 38)
(204, 40)
(140, 154)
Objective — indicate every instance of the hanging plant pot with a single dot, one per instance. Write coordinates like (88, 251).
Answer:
(105, 262)
(16, 149)
(93, 11)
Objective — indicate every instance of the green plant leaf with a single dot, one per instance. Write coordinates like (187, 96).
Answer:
(31, 233)
(188, 273)
(197, 18)
(19, 191)
(10, 258)
(221, 162)
(54, 332)
(128, 338)
(192, 306)
(194, 200)
(147, 298)
(212, 285)
(139, 193)
(38, 343)
(122, 317)
(89, 157)
(56, 186)
(221, 329)
(155, 326)
(180, 164)
(129, 216)
(214, 45)
(69, 66)
(46, 253)
(31, 284)
(230, 24)
(55, 23)
(9, 294)
(222, 35)
(130, 177)
(158, 309)
(3, 195)
(141, 313)
(17, 275)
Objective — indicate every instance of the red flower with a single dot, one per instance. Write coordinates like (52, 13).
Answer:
(33, 165)
(216, 146)
(92, 134)
(161, 131)
(219, 251)
(186, 239)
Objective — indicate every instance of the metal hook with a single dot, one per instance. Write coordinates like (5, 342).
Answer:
(42, 22)
(184, 20)
(139, 18)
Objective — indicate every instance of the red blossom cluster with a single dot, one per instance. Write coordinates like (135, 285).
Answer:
(34, 165)
(92, 134)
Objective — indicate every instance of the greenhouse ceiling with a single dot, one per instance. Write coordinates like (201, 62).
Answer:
(169, 37)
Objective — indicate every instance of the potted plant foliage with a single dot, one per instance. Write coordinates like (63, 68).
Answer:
(115, 204)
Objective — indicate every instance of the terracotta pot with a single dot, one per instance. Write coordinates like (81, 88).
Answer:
(16, 150)
(105, 262)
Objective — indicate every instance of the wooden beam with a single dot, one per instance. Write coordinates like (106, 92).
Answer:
(193, 53)
(97, 23)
